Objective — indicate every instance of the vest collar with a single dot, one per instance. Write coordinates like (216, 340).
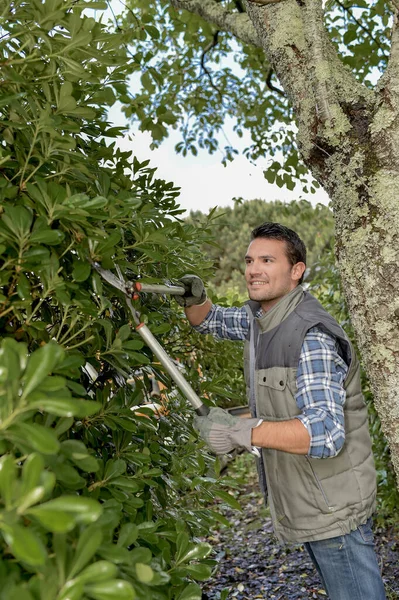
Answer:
(280, 311)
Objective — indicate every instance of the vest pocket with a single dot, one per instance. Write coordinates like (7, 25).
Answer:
(297, 491)
(320, 486)
(274, 378)
(275, 400)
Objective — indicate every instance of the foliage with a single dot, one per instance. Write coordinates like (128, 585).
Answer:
(232, 229)
(198, 79)
(98, 499)
(326, 286)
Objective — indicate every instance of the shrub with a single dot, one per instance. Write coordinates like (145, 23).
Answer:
(97, 499)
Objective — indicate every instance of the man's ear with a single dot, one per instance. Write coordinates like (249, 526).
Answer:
(298, 270)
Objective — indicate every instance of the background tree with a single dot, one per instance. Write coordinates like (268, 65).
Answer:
(326, 58)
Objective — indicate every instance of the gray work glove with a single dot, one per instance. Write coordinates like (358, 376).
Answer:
(223, 432)
(195, 293)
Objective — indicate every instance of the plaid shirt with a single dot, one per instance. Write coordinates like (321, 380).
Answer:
(321, 371)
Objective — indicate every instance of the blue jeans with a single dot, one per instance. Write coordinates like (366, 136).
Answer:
(348, 565)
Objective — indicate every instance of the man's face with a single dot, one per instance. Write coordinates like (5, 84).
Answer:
(268, 273)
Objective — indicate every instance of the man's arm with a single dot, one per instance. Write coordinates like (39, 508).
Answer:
(197, 313)
(288, 436)
(319, 430)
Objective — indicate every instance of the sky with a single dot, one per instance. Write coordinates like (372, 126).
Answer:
(203, 180)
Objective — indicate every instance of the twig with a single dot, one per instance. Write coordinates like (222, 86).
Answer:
(270, 84)
(211, 45)
(360, 24)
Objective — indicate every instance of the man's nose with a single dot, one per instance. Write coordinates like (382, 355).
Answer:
(253, 268)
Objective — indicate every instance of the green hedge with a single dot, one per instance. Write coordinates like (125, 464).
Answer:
(97, 500)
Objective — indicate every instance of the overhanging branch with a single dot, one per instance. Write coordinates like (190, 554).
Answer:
(209, 47)
(238, 24)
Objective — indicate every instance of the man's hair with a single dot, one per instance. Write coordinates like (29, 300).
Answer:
(295, 248)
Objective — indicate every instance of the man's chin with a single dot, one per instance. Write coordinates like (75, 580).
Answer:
(257, 296)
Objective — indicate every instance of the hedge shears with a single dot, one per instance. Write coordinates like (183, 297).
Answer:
(131, 290)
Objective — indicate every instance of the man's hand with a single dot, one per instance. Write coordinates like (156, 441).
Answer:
(195, 294)
(223, 432)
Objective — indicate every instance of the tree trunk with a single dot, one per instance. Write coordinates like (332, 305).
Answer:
(348, 136)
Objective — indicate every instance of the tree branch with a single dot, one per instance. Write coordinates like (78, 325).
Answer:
(308, 66)
(270, 85)
(238, 24)
(264, 2)
(211, 45)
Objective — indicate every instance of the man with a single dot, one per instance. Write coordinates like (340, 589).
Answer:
(309, 416)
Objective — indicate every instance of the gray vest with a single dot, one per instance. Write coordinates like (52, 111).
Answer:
(310, 499)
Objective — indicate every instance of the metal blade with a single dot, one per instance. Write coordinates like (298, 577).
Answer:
(120, 284)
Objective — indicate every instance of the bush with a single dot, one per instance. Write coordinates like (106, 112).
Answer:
(97, 498)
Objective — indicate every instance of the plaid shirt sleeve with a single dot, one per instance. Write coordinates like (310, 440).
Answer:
(225, 323)
(320, 394)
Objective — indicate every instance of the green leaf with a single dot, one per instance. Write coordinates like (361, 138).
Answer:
(144, 573)
(23, 287)
(182, 545)
(124, 483)
(31, 472)
(115, 554)
(19, 220)
(114, 468)
(72, 590)
(76, 451)
(81, 271)
(47, 236)
(63, 513)
(191, 592)
(32, 435)
(66, 407)
(117, 589)
(40, 364)
(52, 384)
(228, 499)
(85, 510)
(24, 544)
(88, 543)
(99, 571)
(201, 550)
(141, 554)
(124, 332)
(199, 572)
(55, 521)
(32, 497)
(7, 479)
(128, 535)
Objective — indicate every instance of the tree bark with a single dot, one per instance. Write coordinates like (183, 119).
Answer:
(348, 136)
